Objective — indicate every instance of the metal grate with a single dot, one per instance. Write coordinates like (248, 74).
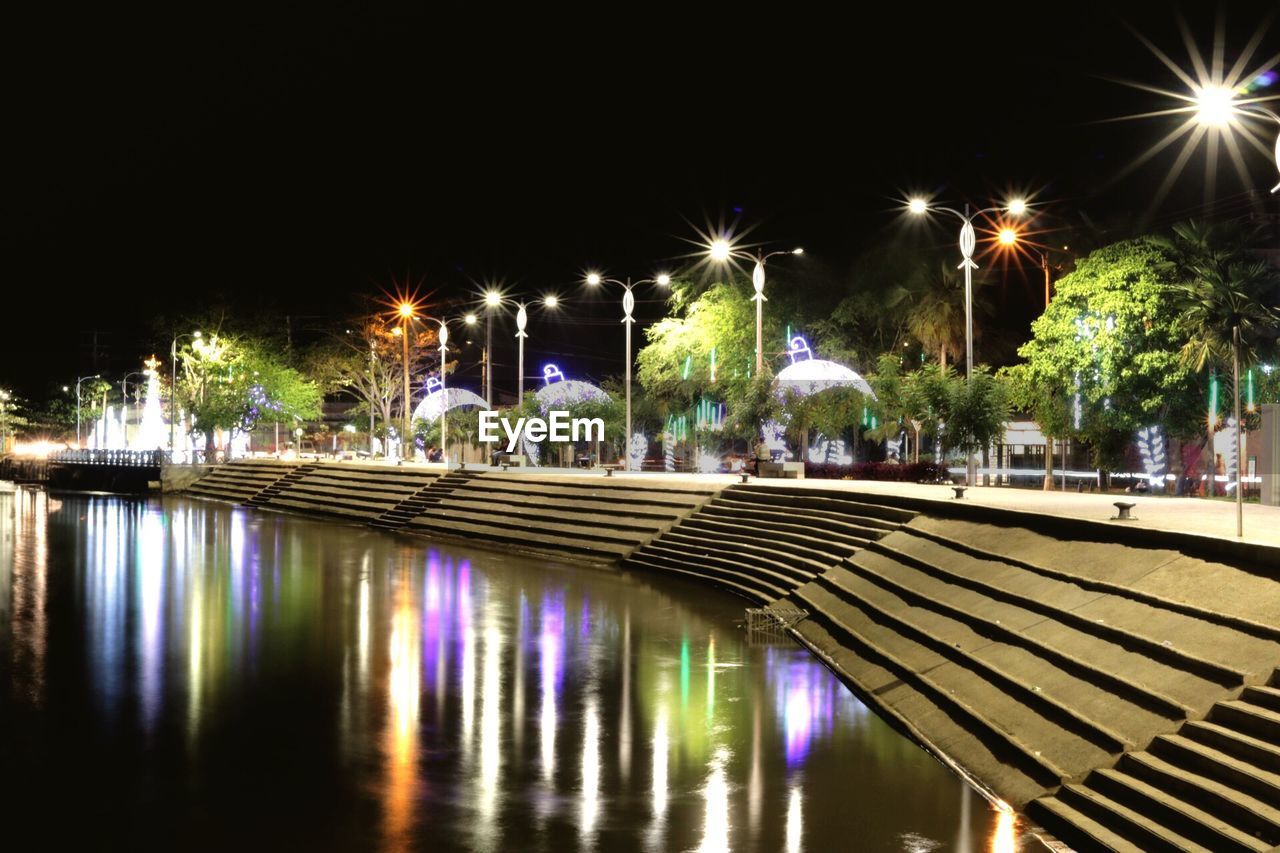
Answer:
(775, 619)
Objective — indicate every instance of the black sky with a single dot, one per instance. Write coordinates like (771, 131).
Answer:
(281, 165)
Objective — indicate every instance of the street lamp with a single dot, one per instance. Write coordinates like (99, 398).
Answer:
(522, 320)
(443, 335)
(628, 305)
(968, 242)
(492, 299)
(721, 251)
(78, 381)
(173, 393)
(406, 312)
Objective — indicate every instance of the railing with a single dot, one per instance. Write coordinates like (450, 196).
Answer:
(115, 458)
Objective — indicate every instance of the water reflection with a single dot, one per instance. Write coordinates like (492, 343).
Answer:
(394, 682)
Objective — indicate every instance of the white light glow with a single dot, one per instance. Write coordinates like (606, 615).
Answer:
(1214, 106)
(917, 206)
(664, 280)
(1017, 207)
(593, 279)
(720, 250)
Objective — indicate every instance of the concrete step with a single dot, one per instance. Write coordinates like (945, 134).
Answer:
(1185, 809)
(1072, 699)
(543, 490)
(772, 578)
(933, 723)
(1267, 697)
(1248, 718)
(523, 539)
(756, 549)
(827, 500)
(1122, 828)
(810, 546)
(446, 513)
(1083, 831)
(755, 592)
(860, 525)
(1262, 754)
(1061, 602)
(1119, 673)
(1068, 701)
(1051, 753)
(1242, 776)
(618, 517)
(934, 529)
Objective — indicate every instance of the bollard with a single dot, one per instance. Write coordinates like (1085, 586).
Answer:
(959, 490)
(1122, 508)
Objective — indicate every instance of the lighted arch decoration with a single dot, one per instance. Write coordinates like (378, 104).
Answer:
(430, 406)
(807, 375)
(557, 392)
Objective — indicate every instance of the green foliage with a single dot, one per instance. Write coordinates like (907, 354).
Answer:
(976, 411)
(1112, 331)
(232, 383)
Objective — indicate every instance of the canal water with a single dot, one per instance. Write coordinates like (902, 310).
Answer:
(187, 675)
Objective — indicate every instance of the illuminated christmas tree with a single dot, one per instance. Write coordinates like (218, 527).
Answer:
(152, 434)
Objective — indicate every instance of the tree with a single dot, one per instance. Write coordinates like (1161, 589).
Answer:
(1047, 404)
(935, 313)
(231, 383)
(675, 367)
(1226, 303)
(977, 411)
(366, 363)
(918, 399)
(1110, 341)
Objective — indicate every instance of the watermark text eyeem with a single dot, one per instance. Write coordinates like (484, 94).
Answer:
(557, 427)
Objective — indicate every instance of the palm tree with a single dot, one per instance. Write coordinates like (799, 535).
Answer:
(935, 316)
(1229, 315)
(1219, 284)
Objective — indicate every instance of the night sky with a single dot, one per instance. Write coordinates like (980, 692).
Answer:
(280, 166)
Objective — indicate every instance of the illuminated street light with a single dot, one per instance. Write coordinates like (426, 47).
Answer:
(1215, 105)
(968, 242)
(492, 299)
(722, 251)
(522, 320)
(628, 305)
(469, 319)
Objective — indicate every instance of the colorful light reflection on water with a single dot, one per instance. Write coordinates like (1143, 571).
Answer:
(177, 663)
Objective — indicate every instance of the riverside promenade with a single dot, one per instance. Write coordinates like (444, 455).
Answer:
(1214, 518)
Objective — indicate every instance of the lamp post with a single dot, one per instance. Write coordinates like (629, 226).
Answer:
(628, 305)
(443, 335)
(78, 381)
(522, 321)
(173, 392)
(492, 299)
(722, 251)
(969, 242)
(1216, 108)
(406, 312)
